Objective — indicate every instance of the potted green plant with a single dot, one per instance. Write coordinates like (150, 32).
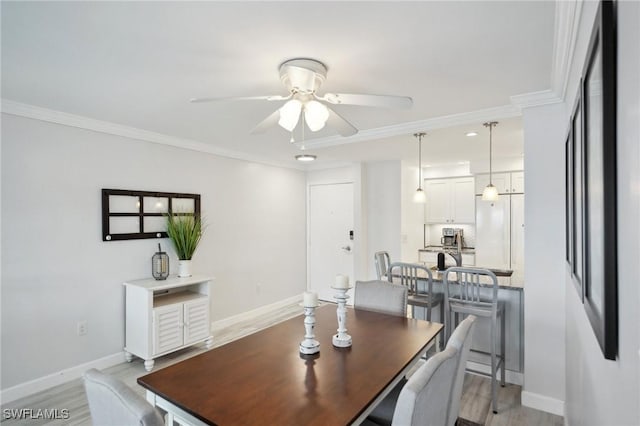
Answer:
(185, 232)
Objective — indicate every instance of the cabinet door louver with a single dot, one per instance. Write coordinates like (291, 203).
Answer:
(168, 328)
(196, 320)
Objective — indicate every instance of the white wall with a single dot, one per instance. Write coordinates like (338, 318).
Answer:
(412, 215)
(58, 270)
(601, 391)
(383, 210)
(544, 298)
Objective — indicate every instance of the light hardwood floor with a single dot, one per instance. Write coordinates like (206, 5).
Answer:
(475, 404)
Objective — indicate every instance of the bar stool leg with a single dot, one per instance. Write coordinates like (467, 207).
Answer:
(502, 348)
(494, 372)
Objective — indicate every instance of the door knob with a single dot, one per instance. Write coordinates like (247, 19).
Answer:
(346, 248)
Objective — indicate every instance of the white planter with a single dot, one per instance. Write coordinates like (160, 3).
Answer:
(184, 268)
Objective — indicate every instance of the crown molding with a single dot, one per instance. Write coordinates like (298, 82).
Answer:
(567, 22)
(80, 122)
(533, 99)
(472, 117)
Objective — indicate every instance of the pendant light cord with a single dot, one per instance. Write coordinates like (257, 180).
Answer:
(490, 153)
(419, 136)
(490, 125)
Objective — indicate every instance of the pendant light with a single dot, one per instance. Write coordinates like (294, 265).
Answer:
(490, 193)
(419, 196)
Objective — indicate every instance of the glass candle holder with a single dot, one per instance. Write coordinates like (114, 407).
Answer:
(160, 265)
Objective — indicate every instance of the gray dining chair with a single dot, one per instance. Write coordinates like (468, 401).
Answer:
(111, 402)
(474, 291)
(382, 261)
(381, 296)
(427, 397)
(461, 340)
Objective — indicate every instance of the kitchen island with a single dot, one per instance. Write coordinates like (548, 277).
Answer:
(510, 292)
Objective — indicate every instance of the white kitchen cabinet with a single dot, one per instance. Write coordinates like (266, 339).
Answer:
(164, 316)
(493, 227)
(468, 259)
(500, 232)
(428, 257)
(517, 182)
(505, 182)
(450, 200)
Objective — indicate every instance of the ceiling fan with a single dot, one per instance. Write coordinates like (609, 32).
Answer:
(303, 77)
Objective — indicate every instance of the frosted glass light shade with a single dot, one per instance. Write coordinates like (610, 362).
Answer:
(490, 193)
(290, 114)
(316, 115)
(419, 196)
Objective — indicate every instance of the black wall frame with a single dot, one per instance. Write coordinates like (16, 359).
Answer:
(141, 213)
(577, 196)
(600, 201)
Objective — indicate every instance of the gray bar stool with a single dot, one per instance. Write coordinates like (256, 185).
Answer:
(382, 262)
(408, 275)
(462, 295)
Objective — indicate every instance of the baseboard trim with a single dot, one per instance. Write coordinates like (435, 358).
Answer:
(63, 376)
(542, 403)
(226, 322)
(58, 378)
(510, 376)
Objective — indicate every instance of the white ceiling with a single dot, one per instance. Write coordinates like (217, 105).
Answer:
(138, 63)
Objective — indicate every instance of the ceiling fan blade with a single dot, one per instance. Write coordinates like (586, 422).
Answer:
(267, 123)
(241, 98)
(383, 101)
(337, 122)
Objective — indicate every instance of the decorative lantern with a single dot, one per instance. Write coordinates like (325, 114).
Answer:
(160, 265)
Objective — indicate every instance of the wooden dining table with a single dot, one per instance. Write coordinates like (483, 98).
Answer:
(262, 379)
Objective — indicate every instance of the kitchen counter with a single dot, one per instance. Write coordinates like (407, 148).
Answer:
(514, 282)
(511, 293)
(438, 249)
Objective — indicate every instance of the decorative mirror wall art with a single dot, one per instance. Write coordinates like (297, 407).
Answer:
(131, 215)
(600, 272)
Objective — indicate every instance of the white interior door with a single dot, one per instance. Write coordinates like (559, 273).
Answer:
(330, 249)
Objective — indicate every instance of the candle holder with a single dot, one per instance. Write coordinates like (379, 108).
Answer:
(309, 345)
(342, 339)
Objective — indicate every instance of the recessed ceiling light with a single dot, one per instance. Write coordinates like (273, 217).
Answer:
(472, 134)
(305, 157)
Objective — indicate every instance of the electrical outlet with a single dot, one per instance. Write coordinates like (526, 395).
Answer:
(81, 328)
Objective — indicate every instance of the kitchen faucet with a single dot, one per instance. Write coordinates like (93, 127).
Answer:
(457, 255)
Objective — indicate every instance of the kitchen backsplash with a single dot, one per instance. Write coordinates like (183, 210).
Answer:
(433, 233)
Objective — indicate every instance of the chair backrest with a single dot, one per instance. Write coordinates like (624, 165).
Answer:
(111, 402)
(382, 261)
(408, 274)
(381, 296)
(461, 340)
(462, 287)
(424, 398)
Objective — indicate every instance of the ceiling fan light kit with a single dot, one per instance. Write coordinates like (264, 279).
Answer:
(303, 77)
(289, 114)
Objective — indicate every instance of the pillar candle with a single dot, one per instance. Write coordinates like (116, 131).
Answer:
(342, 281)
(310, 299)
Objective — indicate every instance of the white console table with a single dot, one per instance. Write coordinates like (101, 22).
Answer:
(164, 316)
